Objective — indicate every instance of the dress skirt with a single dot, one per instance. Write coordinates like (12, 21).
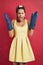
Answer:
(21, 50)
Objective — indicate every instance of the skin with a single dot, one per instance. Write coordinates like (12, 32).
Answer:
(20, 17)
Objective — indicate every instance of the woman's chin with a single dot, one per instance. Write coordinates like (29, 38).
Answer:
(21, 19)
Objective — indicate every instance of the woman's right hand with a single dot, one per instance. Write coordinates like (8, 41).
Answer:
(10, 25)
(8, 21)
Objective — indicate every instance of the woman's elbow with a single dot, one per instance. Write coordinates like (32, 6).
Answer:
(31, 32)
(11, 34)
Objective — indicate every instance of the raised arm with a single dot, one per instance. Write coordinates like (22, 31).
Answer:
(32, 23)
(10, 25)
(12, 32)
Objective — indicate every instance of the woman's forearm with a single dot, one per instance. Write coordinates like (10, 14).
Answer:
(31, 31)
(32, 24)
(10, 26)
(11, 33)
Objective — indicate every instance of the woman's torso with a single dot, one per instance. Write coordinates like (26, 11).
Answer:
(21, 31)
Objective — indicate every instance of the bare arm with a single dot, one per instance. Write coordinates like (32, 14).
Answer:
(30, 31)
(11, 32)
(32, 22)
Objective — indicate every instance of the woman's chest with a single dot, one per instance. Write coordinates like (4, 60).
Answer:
(22, 28)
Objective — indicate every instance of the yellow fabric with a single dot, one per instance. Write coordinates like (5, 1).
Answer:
(21, 50)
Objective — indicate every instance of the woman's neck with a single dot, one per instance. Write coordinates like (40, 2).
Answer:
(20, 21)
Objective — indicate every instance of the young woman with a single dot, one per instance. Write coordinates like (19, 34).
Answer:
(21, 50)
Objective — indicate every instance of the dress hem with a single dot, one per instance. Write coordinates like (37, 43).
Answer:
(23, 61)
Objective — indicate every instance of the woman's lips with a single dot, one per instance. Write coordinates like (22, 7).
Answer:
(20, 17)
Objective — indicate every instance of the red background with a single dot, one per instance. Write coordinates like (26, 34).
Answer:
(36, 40)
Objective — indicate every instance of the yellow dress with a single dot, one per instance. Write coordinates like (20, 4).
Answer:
(21, 50)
